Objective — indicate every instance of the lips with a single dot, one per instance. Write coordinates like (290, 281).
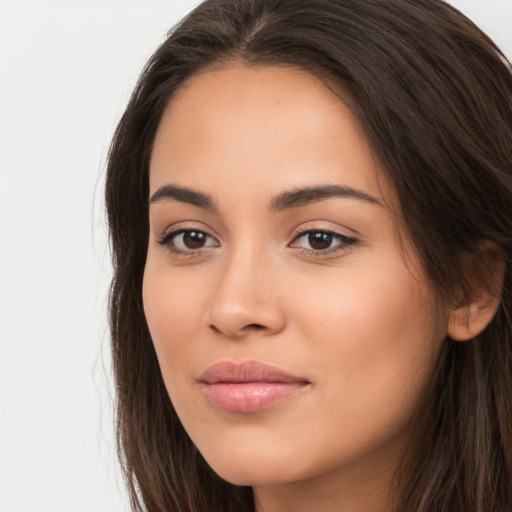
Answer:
(249, 386)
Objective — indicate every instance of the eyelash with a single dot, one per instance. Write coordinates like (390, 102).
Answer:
(343, 245)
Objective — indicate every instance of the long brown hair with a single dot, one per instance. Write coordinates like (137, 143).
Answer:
(434, 96)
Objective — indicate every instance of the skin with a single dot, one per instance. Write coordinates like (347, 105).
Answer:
(358, 320)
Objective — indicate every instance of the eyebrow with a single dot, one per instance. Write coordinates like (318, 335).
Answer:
(184, 195)
(304, 196)
(284, 201)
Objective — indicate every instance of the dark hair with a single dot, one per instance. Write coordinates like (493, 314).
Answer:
(434, 96)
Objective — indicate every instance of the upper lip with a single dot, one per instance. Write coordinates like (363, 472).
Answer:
(247, 371)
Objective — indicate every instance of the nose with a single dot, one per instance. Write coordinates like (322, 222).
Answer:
(245, 299)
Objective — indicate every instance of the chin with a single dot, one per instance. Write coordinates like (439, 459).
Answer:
(251, 476)
(258, 469)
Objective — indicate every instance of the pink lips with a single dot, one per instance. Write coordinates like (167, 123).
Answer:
(248, 386)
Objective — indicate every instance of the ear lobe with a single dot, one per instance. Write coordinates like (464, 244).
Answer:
(477, 309)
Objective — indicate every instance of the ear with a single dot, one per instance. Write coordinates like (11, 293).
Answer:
(485, 271)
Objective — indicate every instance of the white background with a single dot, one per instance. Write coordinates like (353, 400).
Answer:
(66, 70)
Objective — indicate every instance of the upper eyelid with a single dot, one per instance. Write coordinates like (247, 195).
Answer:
(170, 233)
(335, 234)
(313, 226)
(187, 226)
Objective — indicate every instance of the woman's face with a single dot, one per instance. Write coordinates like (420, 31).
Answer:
(295, 338)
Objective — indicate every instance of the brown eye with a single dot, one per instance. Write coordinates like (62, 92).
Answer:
(186, 241)
(325, 242)
(193, 239)
(320, 241)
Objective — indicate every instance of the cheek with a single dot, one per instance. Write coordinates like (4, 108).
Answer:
(377, 335)
(173, 309)
(375, 309)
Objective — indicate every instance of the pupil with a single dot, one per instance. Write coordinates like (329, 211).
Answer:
(319, 241)
(194, 239)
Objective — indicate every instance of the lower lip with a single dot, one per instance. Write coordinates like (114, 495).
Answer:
(250, 396)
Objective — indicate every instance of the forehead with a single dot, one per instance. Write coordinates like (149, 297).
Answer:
(255, 125)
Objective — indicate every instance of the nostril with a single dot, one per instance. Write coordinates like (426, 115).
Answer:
(248, 327)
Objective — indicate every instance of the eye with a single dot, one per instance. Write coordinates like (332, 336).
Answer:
(318, 241)
(187, 241)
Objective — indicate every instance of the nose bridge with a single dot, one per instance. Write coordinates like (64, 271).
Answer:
(244, 298)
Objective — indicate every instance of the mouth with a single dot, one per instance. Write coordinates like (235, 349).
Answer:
(249, 386)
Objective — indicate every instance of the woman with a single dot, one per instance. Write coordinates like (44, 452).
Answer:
(309, 206)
